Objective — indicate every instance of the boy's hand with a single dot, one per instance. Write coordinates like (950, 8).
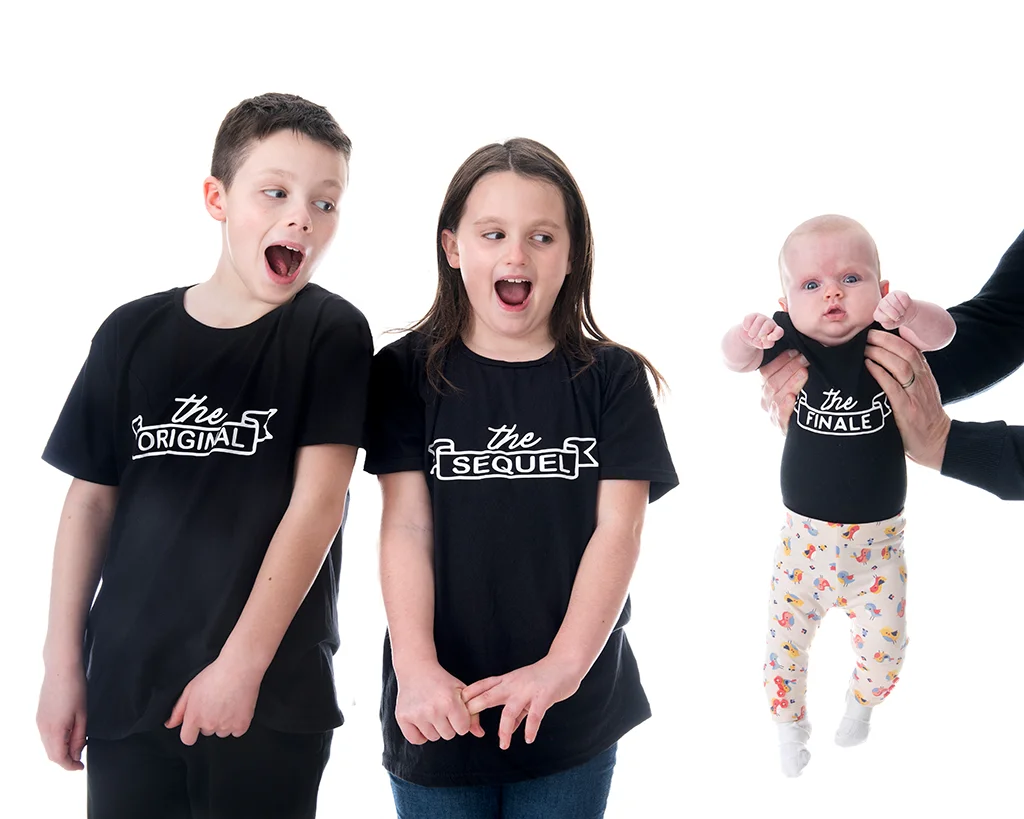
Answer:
(527, 693)
(61, 717)
(220, 700)
(761, 331)
(430, 706)
(895, 309)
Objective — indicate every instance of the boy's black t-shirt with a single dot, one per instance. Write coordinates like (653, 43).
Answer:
(512, 462)
(843, 460)
(199, 427)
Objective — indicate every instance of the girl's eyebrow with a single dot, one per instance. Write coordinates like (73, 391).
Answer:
(491, 220)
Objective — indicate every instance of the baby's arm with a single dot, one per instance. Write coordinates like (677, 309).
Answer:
(925, 325)
(744, 345)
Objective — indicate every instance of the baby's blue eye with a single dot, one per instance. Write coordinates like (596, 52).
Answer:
(324, 205)
(810, 286)
(275, 193)
(851, 278)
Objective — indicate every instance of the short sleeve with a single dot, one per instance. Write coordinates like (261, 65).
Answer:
(82, 443)
(631, 441)
(395, 421)
(337, 378)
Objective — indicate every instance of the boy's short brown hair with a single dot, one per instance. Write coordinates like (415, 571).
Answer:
(259, 117)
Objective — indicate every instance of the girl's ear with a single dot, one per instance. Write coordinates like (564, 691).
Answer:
(451, 248)
(213, 198)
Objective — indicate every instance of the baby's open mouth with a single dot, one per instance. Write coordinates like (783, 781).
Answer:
(284, 260)
(513, 292)
(835, 310)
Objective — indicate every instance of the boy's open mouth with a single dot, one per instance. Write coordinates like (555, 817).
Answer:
(284, 260)
(513, 292)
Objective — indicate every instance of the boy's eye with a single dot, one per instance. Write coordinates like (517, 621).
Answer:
(324, 205)
(494, 234)
(275, 193)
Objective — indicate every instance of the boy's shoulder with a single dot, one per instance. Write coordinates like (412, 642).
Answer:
(137, 313)
(316, 301)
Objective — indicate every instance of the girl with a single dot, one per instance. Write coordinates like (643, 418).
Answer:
(517, 449)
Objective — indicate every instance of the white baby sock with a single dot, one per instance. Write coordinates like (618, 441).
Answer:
(793, 738)
(853, 729)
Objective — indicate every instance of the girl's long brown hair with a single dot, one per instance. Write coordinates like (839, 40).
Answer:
(572, 324)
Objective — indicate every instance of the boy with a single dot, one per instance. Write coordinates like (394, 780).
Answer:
(210, 437)
(843, 471)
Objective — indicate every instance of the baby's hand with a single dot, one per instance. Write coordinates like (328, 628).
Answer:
(761, 332)
(895, 309)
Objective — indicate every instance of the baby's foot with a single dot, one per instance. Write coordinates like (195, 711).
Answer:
(853, 729)
(793, 751)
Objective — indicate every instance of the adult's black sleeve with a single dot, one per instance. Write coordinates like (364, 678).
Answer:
(989, 340)
(989, 456)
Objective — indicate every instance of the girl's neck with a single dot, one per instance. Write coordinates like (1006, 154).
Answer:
(508, 348)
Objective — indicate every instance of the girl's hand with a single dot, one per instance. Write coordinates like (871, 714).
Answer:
(761, 332)
(430, 706)
(527, 693)
(895, 309)
(61, 716)
(220, 701)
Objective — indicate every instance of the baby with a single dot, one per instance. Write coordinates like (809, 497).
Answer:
(844, 472)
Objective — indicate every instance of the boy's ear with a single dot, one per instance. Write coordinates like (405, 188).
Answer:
(883, 286)
(213, 198)
(784, 305)
(451, 248)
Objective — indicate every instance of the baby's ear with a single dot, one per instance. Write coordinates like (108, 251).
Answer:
(883, 286)
(784, 305)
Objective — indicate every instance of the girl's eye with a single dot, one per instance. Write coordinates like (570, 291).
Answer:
(851, 278)
(810, 286)
(543, 238)
(324, 205)
(275, 193)
(494, 234)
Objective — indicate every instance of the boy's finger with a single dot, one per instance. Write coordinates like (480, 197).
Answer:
(189, 731)
(178, 712)
(477, 688)
(533, 720)
(475, 728)
(77, 742)
(509, 715)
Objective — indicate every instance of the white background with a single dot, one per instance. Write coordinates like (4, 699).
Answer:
(699, 138)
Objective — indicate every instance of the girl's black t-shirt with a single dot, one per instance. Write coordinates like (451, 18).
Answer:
(843, 460)
(198, 428)
(512, 461)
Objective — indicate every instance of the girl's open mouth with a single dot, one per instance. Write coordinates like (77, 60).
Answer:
(513, 294)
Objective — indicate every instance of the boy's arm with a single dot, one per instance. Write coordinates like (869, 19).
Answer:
(925, 325)
(77, 561)
(598, 595)
(743, 346)
(221, 698)
(430, 705)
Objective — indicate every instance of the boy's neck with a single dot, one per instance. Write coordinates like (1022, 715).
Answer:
(222, 301)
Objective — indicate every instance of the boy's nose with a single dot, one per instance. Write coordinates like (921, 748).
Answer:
(302, 219)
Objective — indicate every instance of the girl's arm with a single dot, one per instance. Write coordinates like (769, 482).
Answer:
(77, 561)
(430, 705)
(743, 346)
(598, 595)
(927, 326)
(222, 697)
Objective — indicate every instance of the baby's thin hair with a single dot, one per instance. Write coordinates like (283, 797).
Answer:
(826, 223)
